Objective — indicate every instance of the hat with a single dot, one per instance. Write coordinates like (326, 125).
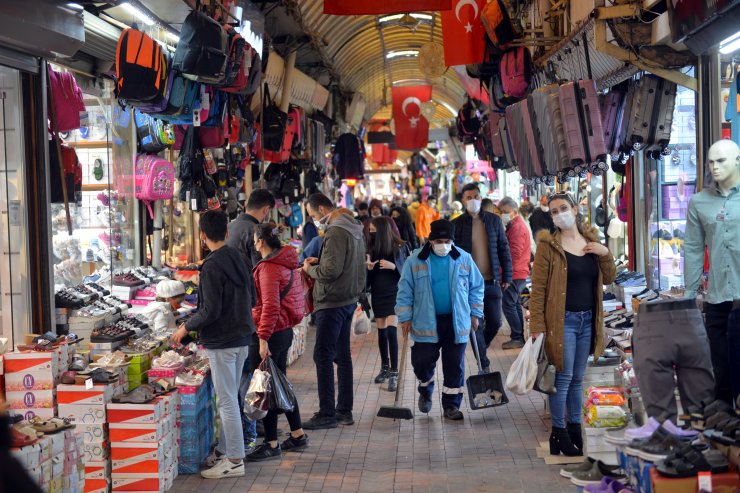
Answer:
(442, 229)
(170, 289)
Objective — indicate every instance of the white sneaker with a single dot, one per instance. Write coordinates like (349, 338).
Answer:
(224, 468)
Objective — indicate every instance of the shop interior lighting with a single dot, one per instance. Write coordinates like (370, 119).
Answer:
(395, 54)
(730, 45)
(172, 37)
(136, 12)
(396, 17)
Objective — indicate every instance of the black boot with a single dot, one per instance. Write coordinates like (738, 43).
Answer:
(383, 375)
(574, 432)
(393, 381)
(560, 442)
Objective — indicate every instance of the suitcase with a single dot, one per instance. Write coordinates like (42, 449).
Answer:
(652, 114)
(533, 145)
(511, 162)
(625, 147)
(612, 113)
(550, 128)
(493, 132)
(515, 126)
(584, 132)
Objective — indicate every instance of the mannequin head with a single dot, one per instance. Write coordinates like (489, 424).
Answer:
(723, 161)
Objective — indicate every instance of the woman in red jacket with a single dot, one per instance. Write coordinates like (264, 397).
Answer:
(279, 306)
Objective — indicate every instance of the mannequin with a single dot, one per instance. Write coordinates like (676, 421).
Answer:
(714, 221)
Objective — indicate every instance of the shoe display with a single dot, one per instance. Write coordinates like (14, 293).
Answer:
(320, 422)
(660, 449)
(345, 418)
(598, 471)
(513, 344)
(224, 468)
(453, 414)
(584, 466)
(690, 462)
(292, 444)
(623, 438)
(425, 404)
(264, 452)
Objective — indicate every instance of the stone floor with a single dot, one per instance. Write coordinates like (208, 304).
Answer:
(492, 450)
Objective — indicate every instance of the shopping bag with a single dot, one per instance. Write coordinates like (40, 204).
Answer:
(545, 381)
(308, 283)
(282, 397)
(360, 322)
(257, 400)
(523, 371)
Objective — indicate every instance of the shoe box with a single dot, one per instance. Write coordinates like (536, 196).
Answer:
(661, 484)
(97, 394)
(150, 412)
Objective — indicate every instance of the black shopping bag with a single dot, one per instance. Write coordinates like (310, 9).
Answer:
(282, 397)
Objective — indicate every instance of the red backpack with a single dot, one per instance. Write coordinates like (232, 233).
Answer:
(240, 61)
(66, 96)
(516, 71)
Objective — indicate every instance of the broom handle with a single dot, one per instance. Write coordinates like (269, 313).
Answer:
(475, 348)
(402, 369)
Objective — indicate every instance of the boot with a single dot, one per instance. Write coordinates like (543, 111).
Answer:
(560, 442)
(383, 375)
(393, 381)
(574, 432)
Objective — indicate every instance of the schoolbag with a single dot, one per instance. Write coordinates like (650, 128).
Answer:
(490, 65)
(192, 160)
(516, 71)
(237, 69)
(273, 178)
(184, 97)
(154, 179)
(147, 133)
(66, 96)
(141, 68)
(255, 74)
(468, 123)
(296, 218)
(274, 122)
(202, 51)
(497, 22)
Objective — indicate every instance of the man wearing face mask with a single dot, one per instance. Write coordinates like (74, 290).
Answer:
(482, 235)
(425, 216)
(520, 246)
(241, 229)
(541, 218)
(439, 302)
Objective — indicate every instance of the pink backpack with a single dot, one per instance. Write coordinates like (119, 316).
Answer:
(67, 99)
(516, 71)
(154, 179)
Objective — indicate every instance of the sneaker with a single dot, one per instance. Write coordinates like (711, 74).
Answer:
(345, 418)
(425, 404)
(383, 375)
(213, 458)
(224, 468)
(249, 447)
(264, 452)
(453, 413)
(295, 444)
(513, 344)
(586, 465)
(320, 422)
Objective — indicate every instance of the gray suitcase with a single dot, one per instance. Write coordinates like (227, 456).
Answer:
(550, 129)
(652, 114)
(511, 162)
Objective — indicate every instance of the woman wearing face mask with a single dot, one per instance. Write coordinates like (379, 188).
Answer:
(405, 226)
(385, 258)
(376, 208)
(279, 307)
(570, 268)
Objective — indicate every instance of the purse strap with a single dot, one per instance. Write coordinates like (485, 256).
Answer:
(287, 287)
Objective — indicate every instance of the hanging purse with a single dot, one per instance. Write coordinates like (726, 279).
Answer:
(545, 381)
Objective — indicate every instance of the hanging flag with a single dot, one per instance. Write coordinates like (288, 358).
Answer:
(463, 33)
(412, 129)
(372, 7)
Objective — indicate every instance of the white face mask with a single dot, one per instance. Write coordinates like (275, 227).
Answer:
(473, 206)
(442, 249)
(545, 208)
(564, 220)
(506, 218)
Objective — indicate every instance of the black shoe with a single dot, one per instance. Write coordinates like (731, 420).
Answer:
(560, 442)
(344, 418)
(453, 413)
(393, 381)
(425, 405)
(295, 444)
(383, 375)
(264, 452)
(574, 432)
(320, 422)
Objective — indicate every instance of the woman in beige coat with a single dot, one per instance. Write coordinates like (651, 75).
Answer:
(570, 268)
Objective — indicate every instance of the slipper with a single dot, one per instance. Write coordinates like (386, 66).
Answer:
(140, 395)
(693, 462)
(68, 377)
(98, 375)
(27, 430)
(42, 346)
(51, 426)
(19, 439)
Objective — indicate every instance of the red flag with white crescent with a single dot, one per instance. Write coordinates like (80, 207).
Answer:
(372, 7)
(412, 129)
(463, 33)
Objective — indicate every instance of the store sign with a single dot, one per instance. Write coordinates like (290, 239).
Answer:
(372, 7)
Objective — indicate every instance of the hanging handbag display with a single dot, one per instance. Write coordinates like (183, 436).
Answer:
(274, 122)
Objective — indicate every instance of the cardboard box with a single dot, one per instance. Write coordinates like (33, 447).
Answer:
(151, 412)
(30, 380)
(137, 432)
(96, 486)
(41, 412)
(33, 361)
(57, 445)
(92, 432)
(97, 450)
(97, 469)
(31, 399)
(83, 414)
(138, 458)
(138, 482)
(81, 395)
(662, 484)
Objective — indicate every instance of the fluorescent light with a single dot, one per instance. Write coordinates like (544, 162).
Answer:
(730, 45)
(395, 17)
(172, 36)
(136, 12)
(395, 54)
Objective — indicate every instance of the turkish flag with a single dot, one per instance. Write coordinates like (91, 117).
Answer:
(372, 7)
(463, 33)
(412, 129)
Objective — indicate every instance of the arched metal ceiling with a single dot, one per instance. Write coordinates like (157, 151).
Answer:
(354, 48)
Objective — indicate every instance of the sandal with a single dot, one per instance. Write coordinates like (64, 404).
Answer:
(694, 462)
(140, 395)
(42, 345)
(98, 375)
(51, 426)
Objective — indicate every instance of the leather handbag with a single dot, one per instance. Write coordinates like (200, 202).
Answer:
(545, 381)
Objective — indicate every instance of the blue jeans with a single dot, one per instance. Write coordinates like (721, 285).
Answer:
(569, 382)
(249, 426)
(491, 322)
(513, 309)
(226, 369)
(333, 327)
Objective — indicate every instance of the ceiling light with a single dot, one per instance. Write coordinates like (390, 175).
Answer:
(136, 12)
(395, 17)
(172, 36)
(395, 54)
(730, 45)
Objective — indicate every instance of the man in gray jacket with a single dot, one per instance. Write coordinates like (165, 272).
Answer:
(340, 278)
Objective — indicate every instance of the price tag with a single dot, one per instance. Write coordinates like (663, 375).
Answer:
(196, 118)
(194, 204)
(705, 481)
(205, 100)
(89, 384)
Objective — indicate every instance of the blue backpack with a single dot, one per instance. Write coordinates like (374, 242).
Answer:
(296, 218)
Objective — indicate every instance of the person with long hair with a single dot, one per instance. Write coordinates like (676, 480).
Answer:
(570, 268)
(385, 258)
(278, 308)
(405, 225)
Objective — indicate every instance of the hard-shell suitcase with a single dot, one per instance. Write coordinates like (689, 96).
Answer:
(533, 147)
(511, 161)
(546, 106)
(515, 125)
(493, 135)
(584, 133)
(612, 112)
(625, 147)
(652, 114)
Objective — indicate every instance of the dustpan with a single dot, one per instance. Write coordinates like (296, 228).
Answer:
(484, 389)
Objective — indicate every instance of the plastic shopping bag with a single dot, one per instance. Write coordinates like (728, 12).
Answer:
(282, 397)
(360, 322)
(523, 371)
(257, 399)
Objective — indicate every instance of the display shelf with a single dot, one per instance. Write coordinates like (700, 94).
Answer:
(89, 144)
(95, 187)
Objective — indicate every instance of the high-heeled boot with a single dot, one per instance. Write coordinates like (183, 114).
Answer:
(560, 442)
(574, 432)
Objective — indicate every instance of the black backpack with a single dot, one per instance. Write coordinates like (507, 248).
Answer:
(273, 123)
(202, 52)
(468, 123)
(274, 178)
(192, 161)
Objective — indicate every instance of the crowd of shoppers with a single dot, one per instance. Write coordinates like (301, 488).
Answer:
(442, 281)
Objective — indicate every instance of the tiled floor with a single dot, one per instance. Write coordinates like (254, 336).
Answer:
(492, 450)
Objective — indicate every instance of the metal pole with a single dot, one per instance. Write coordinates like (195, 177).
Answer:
(157, 242)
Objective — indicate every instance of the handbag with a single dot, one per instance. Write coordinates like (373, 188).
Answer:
(545, 381)
(308, 283)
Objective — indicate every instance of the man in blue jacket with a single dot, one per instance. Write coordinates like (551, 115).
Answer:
(439, 301)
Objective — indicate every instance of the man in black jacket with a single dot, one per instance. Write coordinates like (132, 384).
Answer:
(225, 327)
(482, 235)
